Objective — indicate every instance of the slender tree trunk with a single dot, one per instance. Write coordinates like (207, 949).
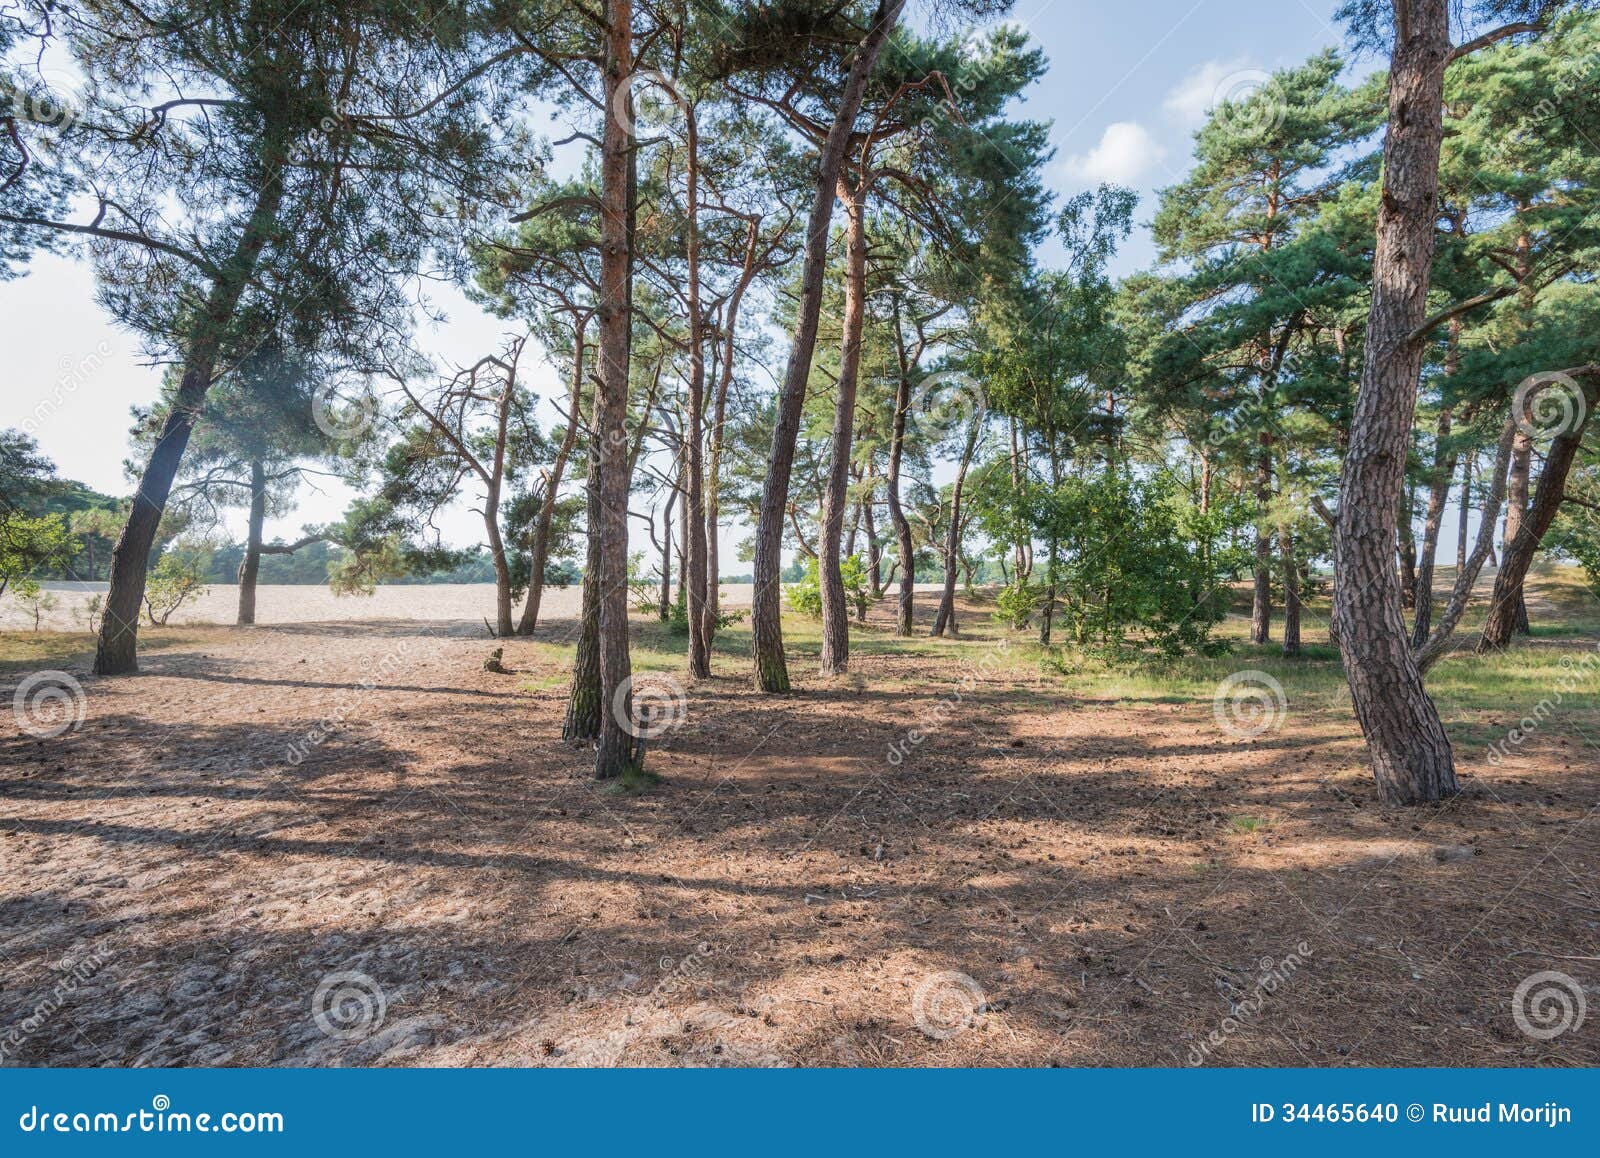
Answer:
(1406, 550)
(835, 610)
(1444, 472)
(1409, 750)
(772, 673)
(1261, 600)
(1291, 592)
(552, 495)
(250, 565)
(897, 514)
(945, 620)
(117, 649)
(694, 511)
(1516, 514)
(1517, 554)
(1467, 575)
(584, 698)
(1466, 509)
(874, 550)
(614, 749)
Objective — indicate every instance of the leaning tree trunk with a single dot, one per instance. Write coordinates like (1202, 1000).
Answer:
(250, 565)
(772, 673)
(117, 650)
(835, 610)
(552, 495)
(1261, 597)
(1518, 552)
(614, 749)
(1406, 742)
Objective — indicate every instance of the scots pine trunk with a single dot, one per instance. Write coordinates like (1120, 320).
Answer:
(1518, 553)
(897, 514)
(540, 553)
(584, 699)
(1444, 471)
(117, 649)
(694, 461)
(614, 749)
(1516, 515)
(1291, 592)
(250, 565)
(835, 610)
(772, 673)
(1406, 742)
(1261, 598)
(945, 621)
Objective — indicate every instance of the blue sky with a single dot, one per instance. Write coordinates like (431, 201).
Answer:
(1126, 87)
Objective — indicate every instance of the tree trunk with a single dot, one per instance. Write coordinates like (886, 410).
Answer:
(1444, 472)
(250, 565)
(772, 674)
(874, 550)
(694, 512)
(583, 700)
(897, 514)
(117, 649)
(1409, 750)
(1467, 575)
(614, 749)
(1516, 556)
(945, 621)
(1261, 600)
(547, 506)
(835, 611)
(1406, 550)
(1516, 514)
(1291, 592)
(1465, 509)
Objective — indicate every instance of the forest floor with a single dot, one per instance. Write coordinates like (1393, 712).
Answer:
(348, 844)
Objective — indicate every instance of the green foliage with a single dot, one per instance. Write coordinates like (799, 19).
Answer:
(178, 576)
(805, 595)
(1015, 604)
(36, 601)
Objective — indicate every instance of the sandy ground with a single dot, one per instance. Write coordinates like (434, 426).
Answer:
(348, 844)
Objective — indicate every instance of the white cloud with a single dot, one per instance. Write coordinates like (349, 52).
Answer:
(1195, 95)
(1126, 152)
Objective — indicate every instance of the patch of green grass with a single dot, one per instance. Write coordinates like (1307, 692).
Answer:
(1242, 823)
